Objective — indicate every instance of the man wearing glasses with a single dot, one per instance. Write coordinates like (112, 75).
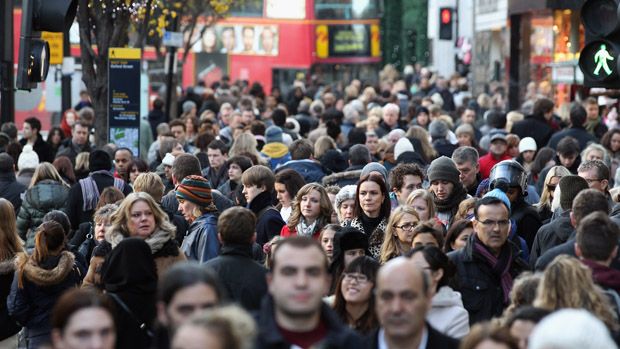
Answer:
(596, 173)
(488, 264)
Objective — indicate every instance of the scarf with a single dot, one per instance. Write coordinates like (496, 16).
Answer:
(452, 202)
(306, 230)
(156, 241)
(90, 192)
(500, 265)
(591, 125)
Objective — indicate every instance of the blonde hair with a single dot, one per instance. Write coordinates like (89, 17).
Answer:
(567, 283)
(426, 196)
(234, 327)
(390, 247)
(325, 204)
(245, 143)
(322, 145)
(122, 215)
(464, 206)
(10, 242)
(421, 135)
(82, 161)
(545, 196)
(151, 183)
(44, 171)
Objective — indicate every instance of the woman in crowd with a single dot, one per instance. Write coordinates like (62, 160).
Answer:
(129, 278)
(458, 234)
(594, 152)
(544, 158)
(196, 204)
(426, 233)
(488, 335)
(428, 152)
(551, 182)
(355, 302)
(54, 137)
(228, 327)
(63, 165)
(67, 121)
(422, 202)
(326, 238)
(345, 203)
(136, 167)
(40, 280)
(86, 239)
(47, 192)
(246, 144)
(466, 209)
(447, 314)
(83, 319)
(567, 283)
(372, 211)
(288, 183)
(349, 243)
(236, 166)
(82, 167)
(10, 246)
(611, 142)
(140, 216)
(191, 128)
(399, 233)
(312, 210)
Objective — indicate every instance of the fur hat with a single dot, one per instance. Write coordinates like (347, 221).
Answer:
(28, 158)
(346, 193)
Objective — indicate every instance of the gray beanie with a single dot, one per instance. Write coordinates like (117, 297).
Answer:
(273, 134)
(188, 105)
(438, 129)
(443, 168)
(346, 193)
(375, 166)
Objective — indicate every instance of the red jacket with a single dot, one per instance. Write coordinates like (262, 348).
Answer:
(488, 161)
(287, 232)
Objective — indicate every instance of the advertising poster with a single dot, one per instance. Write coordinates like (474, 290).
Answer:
(238, 39)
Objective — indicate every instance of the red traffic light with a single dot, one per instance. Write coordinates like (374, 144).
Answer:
(446, 16)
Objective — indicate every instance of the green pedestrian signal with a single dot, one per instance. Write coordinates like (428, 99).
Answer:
(601, 58)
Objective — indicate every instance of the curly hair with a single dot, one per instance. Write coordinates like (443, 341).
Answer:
(326, 208)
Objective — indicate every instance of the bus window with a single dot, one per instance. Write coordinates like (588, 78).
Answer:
(247, 8)
(347, 9)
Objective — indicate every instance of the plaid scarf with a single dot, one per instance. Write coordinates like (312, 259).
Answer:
(500, 265)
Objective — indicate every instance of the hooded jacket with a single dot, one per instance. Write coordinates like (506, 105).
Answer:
(311, 170)
(348, 177)
(277, 153)
(43, 284)
(447, 314)
(44, 197)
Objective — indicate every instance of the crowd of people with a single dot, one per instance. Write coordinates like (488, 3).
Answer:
(405, 213)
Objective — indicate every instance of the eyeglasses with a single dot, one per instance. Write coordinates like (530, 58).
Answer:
(359, 278)
(406, 226)
(551, 187)
(491, 223)
(592, 180)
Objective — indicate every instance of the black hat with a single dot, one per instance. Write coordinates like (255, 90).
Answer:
(99, 160)
(348, 238)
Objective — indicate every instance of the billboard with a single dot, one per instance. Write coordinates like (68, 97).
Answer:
(238, 39)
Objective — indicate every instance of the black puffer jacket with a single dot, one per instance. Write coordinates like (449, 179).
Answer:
(9, 325)
(45, 196)
(550, 235)
(480, 289)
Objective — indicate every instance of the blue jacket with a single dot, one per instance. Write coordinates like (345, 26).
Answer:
(311, 170)
(201, 243)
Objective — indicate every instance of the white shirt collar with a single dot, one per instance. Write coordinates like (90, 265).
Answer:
(383, 344)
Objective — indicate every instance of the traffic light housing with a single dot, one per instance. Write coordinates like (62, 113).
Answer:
(599, 59)
(34, 53)
(445, 23)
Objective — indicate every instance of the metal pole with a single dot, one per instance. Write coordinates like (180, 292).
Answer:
(66, 78)
(7, 82)
(172, 51)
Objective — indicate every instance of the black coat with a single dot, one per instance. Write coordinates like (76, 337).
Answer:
(269, 336)
(550, 235)
(269, 222)
(436, 340)
(527, 220)
(8, 325)
(579, 133)
(242, 277)
(444, 147)
(480, 289)
(11, 190)
(75, 211)
(535, 127)
(43, 150)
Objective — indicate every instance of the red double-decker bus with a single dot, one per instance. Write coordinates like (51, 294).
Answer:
(275, 42)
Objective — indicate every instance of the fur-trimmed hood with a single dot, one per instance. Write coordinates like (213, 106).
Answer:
(46, 277)
(7, 266)
(156, 241)
(334, 178)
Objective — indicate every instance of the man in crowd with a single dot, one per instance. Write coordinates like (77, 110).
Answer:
(242, 277)
(403, 297)
(576, 130)
(294, 313)
(122, 159)
(594, 123)
(258, 184)
(488, 264)
(567, 155)
(466, 160)
(390, 119)
(359, 156)
(217, 172)
(537, 125)
(596, 173)
(32, 136)
(447, 190)
(497, 153)
(78, 142)
(302, 161)
(405, 178)
(10, 189)
(178, 129)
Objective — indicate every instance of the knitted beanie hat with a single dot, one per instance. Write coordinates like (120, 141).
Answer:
(188, 106)
(498, 193)
(99, 160)
(438, 129)
(168, 160)
(346, 193)
(570, 186)
(196, 189)
(402, 146)
(443, 168)
(375, 167)
(527, 143)
(28, 158)
(273, 134)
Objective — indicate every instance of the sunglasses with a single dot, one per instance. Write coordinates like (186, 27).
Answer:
(551, 187)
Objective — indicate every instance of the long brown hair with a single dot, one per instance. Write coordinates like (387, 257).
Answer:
(10, 242)
(50, 238)
(44, 171)
(325, 204)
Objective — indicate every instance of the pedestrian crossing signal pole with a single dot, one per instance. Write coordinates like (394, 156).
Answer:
(599, 59)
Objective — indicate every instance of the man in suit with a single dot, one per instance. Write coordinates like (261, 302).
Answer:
(403, 297)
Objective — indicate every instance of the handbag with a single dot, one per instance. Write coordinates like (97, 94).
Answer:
(87, 246)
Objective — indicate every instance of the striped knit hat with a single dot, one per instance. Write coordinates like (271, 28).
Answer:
(196, 189)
